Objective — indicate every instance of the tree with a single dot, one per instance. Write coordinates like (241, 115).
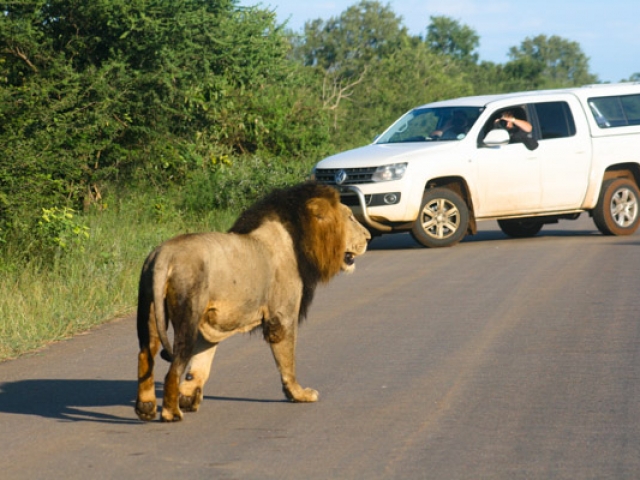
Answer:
(411, 76)
(130, 89)
(448, 37)
(556, 62)
(363, 33)
(346, 49)
(633, 78)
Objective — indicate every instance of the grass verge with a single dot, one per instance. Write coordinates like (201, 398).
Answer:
(92, 283)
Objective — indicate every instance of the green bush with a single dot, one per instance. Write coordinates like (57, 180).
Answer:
(59, 230)
(234, 185)
(136, 91)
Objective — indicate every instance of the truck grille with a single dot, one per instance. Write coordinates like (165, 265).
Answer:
(355, 176)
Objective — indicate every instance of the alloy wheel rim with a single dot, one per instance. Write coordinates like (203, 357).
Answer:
(624, 207)
(440, 219)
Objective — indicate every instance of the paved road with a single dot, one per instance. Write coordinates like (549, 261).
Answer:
(495, 359)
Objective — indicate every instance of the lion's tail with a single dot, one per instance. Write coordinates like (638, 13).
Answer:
(160, 278)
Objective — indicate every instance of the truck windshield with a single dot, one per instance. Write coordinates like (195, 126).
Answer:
(431, 124)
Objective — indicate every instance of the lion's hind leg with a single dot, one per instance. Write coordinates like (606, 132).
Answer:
(183, 350)
(192, 387)
(170, 407)
(184, 343)
(146, 407)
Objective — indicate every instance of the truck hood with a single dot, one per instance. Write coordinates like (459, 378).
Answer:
(376, 155)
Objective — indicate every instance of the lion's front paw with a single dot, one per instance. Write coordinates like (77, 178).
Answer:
(299, 394)
(191, 403)
(146, 411)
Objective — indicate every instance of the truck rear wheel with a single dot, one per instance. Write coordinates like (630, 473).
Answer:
(443, 219)
(617, 211)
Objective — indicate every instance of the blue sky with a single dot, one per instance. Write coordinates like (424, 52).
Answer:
(608, 32)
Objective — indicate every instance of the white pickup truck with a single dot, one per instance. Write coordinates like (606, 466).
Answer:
(444, 166)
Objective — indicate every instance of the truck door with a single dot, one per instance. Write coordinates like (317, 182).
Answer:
(565, 153)
(508, 176)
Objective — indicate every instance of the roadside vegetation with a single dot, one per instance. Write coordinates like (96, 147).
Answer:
(78, 269)
(126, 122)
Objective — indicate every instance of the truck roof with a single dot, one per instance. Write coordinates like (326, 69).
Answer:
(587, 91)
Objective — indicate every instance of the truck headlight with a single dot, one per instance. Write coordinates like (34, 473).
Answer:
(386, 173)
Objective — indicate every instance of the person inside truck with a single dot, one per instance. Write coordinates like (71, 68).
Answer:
(520, 130)
(457, 125)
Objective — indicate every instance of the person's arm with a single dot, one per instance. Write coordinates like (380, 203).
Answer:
(521, 124)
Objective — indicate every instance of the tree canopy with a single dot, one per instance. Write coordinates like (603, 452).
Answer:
(447, 36)
(125, 89)
(555, 60)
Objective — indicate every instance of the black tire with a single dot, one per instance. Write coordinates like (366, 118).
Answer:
(443, 219)
(520, 228)
(617, 211)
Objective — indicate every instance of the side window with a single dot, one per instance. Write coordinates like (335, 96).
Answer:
(517, 124)
(555, 120)
(517, 111)
(631, 107)
(618, 111)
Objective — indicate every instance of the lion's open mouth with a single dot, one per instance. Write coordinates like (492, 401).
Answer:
(349, 258)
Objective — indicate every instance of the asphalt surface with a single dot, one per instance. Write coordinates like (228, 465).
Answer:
(494, 359)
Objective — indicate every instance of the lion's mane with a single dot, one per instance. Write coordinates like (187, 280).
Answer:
(317, 234)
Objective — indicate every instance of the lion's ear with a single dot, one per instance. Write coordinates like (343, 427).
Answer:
(324, 239)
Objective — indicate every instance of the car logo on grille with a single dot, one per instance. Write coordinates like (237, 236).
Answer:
(340, 177)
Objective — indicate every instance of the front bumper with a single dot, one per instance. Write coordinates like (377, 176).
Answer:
(362, 202)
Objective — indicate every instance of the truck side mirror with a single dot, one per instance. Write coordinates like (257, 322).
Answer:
(496, 137)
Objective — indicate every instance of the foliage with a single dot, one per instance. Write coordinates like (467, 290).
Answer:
(59, 230)
(364, 32)
(132, 90)
(449, 37)
(234, 186)
(633, 78)
(345, 50)
(95, 277)
(554, 61)
(45, 302)
(411, 76)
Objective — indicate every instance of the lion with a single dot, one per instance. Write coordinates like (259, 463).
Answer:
(262, 273)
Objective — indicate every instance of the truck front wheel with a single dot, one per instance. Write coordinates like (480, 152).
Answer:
(443, 219)
(617, 210)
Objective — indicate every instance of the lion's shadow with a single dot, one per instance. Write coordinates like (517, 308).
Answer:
(70, 400)
(81, 400)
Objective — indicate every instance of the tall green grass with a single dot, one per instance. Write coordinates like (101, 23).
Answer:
(45, 300)
(52, 293)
